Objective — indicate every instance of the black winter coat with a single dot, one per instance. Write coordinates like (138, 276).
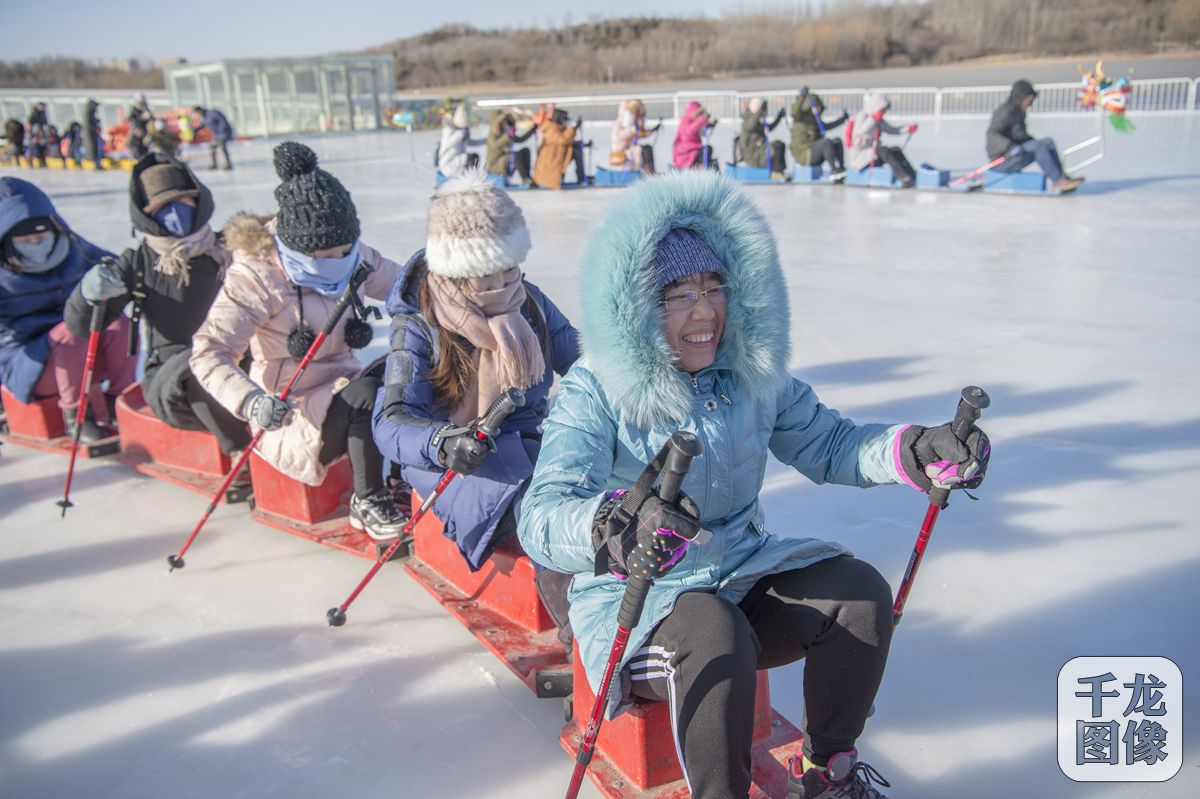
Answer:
(171, 313)
(1007, 127)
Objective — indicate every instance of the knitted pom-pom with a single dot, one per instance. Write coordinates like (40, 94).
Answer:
(293, 159)
(358, 333)
(300, 340)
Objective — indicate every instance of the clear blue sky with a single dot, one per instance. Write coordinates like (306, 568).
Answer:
(211, 29)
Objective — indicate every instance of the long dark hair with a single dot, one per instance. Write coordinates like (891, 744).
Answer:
(454, 370)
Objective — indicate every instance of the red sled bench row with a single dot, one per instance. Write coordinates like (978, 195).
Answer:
(635, 754)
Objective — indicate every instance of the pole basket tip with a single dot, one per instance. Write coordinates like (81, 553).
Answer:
(336, 617)
(175, 562)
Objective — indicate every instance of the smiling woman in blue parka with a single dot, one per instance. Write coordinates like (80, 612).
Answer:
(685, 327)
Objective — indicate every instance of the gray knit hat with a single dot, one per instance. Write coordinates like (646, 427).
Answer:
(680, 253)
(315, 210)
(475, 229)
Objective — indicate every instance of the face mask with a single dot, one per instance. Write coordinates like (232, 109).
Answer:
(176, 217)
(328, 276)
(38, 252)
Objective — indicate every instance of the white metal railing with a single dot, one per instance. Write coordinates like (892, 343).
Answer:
(1152, 95)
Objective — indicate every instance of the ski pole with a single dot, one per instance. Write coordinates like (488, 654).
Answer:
(979, 171)
(356, 279)
(767, 144)
(874, 152)
(89, 362)
(970, 406)
(679, 451)
(820, 122)
(487, 428)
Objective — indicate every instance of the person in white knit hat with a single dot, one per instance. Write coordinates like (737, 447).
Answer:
(466, 326)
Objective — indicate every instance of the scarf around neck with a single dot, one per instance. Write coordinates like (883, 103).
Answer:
(507, 353)
(175, 254)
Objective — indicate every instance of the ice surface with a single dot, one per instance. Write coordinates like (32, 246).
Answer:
(1076, 313)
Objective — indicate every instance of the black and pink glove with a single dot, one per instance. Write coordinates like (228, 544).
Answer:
(653, 540)
(932, 457)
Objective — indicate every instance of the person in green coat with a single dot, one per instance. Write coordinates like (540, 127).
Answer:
(753, 139)
(503, 156)
(810, 147)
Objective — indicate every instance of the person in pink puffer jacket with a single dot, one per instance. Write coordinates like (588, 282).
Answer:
(689, 149)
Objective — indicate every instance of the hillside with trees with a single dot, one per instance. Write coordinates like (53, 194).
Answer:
(779, 39)
(789, 39)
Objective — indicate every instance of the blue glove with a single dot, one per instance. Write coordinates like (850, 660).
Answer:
(101, 283)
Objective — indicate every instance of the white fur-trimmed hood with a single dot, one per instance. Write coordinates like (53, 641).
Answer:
(622, 340)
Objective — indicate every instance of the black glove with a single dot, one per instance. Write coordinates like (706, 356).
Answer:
(652, 541)
(933, 456)
(460, 451)
(266, 410)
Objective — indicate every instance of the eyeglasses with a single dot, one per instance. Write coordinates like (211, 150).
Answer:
(717, 297)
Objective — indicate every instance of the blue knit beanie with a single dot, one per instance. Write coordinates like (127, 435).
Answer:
(680, 253)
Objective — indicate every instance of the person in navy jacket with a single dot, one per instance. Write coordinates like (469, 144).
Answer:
(466, 327)
(41, 261)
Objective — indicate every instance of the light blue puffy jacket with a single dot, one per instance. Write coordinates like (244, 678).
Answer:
(621, 401)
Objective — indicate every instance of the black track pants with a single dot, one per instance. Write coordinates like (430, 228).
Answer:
(347, 430)
(895, 158)
(829, 150)
(837, 614)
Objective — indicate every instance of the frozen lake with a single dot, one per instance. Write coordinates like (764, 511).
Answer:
(223, 680)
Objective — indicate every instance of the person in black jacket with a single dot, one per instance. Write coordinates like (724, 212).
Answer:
(92, 145)
(140, 117)
(72, 142)
(39, 135)
(178, 270)
(14, 134)
(1008, 138)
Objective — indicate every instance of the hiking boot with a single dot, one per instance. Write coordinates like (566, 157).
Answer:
(846, 777)
(89, 433)
(1065, 184)
(377, 515)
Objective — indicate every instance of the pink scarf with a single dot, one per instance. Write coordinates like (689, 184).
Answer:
(508, 353)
